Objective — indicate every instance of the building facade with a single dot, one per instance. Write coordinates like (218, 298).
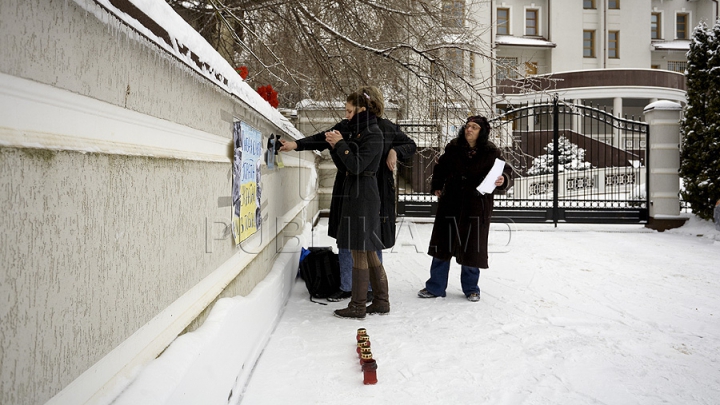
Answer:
(615, 54)
(574, 68)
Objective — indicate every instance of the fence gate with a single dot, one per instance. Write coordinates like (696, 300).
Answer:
(597, 160)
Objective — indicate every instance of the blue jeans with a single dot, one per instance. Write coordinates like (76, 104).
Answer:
(346, 264)
(439, 269)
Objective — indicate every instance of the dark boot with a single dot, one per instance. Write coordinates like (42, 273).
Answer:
(381, 301)
(356, 308)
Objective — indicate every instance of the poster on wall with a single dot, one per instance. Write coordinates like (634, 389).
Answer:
(272, 158)
(270, 153)
(246, 216)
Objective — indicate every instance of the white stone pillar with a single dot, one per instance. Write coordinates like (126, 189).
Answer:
(577, 118)
(663, 164)
(618, 106)
(530, 122)
(618, 112)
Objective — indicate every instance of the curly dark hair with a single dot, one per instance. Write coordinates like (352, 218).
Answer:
(377, 102)
(365, 99)
(483, 137)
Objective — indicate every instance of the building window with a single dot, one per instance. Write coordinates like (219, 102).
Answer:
(455, 60)
(434, 107)
(507, 68)
(654, 66)
(472, 65)
(614, 44)
(655, 26)
(677, 65)
(681, 26)
(588, 4)
(614, 4)
(503, 21)
(589, 44)
(531, 68)
(453, 13)
(531, 22)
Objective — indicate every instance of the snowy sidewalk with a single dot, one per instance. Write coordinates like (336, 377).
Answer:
(578, 314)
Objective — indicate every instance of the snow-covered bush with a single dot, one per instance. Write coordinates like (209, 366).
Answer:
(570, 158)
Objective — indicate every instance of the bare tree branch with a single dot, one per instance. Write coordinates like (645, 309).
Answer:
(324, 49)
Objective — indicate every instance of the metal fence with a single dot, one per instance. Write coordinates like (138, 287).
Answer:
(598, 162)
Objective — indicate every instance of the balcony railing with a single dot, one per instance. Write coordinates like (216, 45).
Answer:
(593, 78)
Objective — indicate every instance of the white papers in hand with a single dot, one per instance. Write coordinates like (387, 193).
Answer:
(488, 183)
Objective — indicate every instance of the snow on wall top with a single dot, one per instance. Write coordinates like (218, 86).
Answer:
(522, 41)
(309, 104)
(662, 105)
(158, 22)
(676, 45)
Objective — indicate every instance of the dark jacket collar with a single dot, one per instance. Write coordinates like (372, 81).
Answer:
(480, 146)
(362, 120)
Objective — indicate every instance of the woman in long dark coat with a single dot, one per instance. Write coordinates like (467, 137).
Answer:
(359, 226)
(462, 222)
(396, 146)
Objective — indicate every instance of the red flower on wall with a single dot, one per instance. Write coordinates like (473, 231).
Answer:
(269, 94)
(242, 71)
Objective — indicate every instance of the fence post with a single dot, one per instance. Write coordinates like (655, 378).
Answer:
(556, 159)
(663, 164)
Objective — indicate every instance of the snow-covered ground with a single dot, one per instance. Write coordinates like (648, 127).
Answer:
(578, 314)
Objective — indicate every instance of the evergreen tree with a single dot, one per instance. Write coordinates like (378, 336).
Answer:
(570, 158)
(700, 127)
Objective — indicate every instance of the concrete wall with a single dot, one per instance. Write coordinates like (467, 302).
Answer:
(115, 182)
(538, 56)
(698, 10)
(563, 22)
(517, 15)
(632, 22)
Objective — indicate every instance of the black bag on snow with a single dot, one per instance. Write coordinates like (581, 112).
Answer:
(321, 271)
